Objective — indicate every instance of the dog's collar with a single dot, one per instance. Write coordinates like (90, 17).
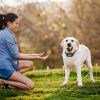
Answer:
(70, 54)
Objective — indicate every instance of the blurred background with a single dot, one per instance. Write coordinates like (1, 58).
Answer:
(44, 23)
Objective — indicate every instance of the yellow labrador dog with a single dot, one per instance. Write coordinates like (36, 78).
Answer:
(75, 54)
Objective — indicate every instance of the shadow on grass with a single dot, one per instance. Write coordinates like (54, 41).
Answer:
(8, 93)
(90, 91)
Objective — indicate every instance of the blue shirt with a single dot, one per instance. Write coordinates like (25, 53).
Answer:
(8, 49)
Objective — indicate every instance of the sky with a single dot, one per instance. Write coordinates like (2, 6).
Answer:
(14, 3)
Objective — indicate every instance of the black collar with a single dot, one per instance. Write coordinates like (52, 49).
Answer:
(70, 54)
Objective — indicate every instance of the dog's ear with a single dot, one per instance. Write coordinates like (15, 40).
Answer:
(77, 43)
(62, 43)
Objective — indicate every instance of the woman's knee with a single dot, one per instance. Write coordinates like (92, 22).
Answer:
(24, 64)
(30, 86)
(30, 65)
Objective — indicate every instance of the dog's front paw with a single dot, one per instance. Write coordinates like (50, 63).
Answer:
(64, 84)
(92, 80)
(80, 84)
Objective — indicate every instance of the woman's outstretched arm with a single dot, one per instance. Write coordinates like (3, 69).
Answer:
(31, 57)
(34, 54)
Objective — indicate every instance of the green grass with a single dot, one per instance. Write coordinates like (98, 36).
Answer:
(47, 87)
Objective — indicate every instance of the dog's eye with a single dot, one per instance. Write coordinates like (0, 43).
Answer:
(72, 40)
(66, 40)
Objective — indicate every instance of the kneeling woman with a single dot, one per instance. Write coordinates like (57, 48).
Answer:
(11, 68)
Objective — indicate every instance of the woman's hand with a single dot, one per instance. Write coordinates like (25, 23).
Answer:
(42, 57)
(41, 54)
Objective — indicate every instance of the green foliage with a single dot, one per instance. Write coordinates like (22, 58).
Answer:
(44, 25)
(47, 87)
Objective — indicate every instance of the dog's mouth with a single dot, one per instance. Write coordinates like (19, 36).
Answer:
(69, 49)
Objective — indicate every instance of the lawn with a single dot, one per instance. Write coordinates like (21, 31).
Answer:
(47, 87)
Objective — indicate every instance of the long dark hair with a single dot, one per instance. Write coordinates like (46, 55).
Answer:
(9, 17)
(2, 21)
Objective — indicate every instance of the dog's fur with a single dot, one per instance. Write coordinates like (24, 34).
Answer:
(75, 54)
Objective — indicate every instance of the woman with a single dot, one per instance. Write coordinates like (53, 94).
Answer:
(11, 68)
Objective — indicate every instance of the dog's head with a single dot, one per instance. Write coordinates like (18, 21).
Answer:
(70, 44)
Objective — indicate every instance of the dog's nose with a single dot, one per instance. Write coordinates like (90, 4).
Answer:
(69, 44)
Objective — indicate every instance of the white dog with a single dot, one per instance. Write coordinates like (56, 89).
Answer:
(75, 55)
